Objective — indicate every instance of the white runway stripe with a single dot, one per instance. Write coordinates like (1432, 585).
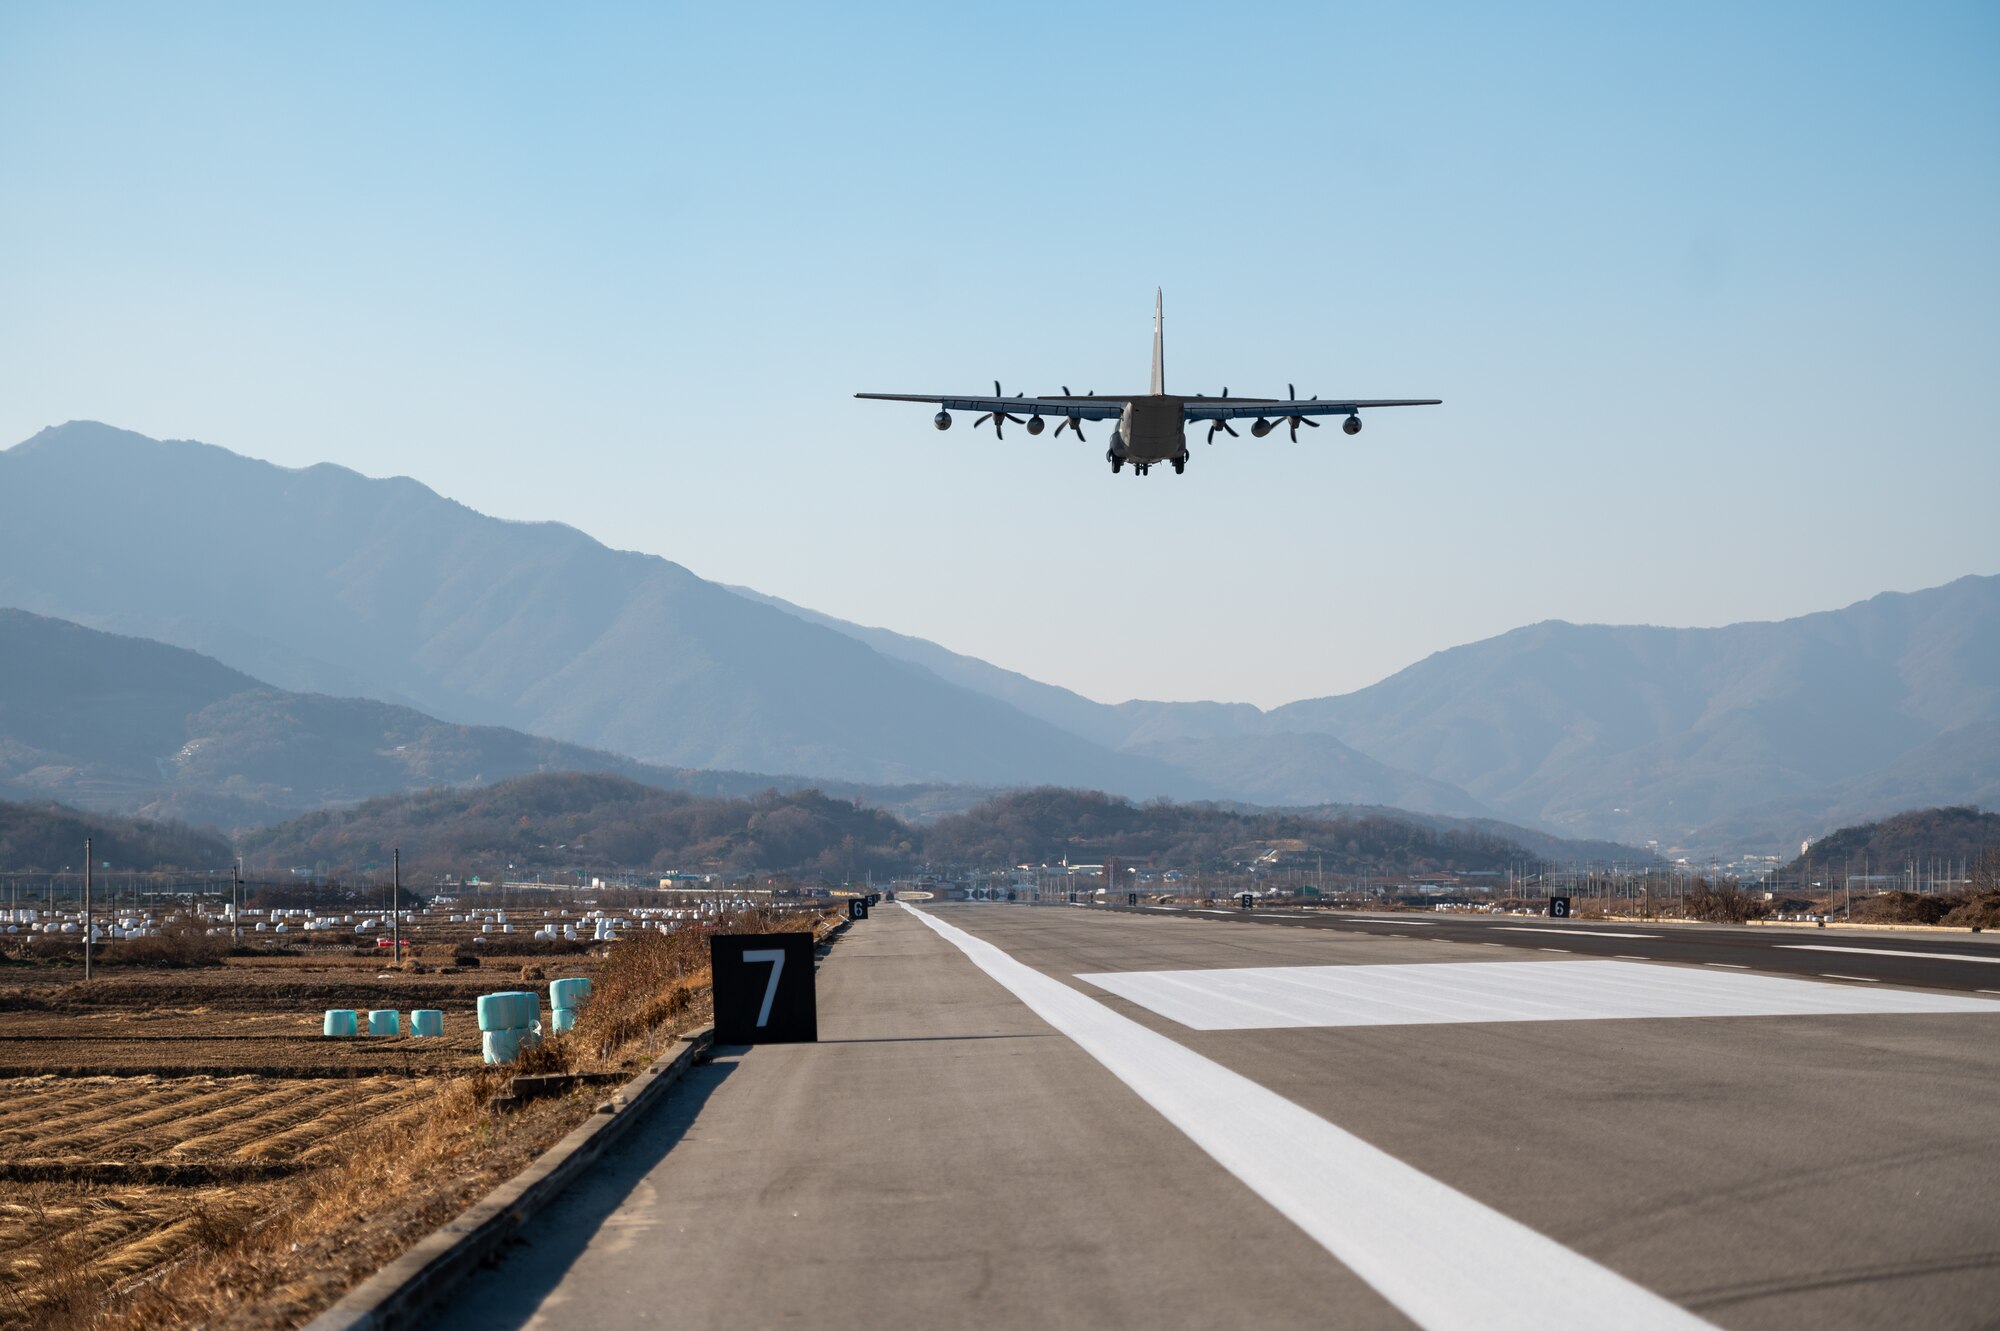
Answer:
(1380, 1217)
(1887, 952)
(1263, 998)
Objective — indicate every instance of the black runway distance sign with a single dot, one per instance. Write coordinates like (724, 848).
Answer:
(764, 988)
(1558, 908)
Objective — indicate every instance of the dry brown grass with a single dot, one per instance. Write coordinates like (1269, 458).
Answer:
(374, 1163)
(652, 981)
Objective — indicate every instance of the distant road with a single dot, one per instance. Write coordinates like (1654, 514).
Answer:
(1101, 1117)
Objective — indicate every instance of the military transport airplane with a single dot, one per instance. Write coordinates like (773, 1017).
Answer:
(1152, 427)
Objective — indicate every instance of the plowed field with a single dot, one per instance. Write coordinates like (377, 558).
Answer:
(110, 1178)
(183, 1146)
(150, 1115)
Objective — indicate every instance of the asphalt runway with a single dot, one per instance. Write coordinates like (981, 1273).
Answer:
(1023, 1116)
(1969, 962)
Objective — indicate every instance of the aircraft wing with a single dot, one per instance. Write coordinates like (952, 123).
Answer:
(1227, 409)
(1086, 409)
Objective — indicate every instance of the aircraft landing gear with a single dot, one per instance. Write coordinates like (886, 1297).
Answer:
(1180, 465)
(1115, 461)
(1141, 469)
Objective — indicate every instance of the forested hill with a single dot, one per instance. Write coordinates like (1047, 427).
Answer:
(1930, 839)
(569, 822)
(49, 838)
(572, 821)
(1049, 825)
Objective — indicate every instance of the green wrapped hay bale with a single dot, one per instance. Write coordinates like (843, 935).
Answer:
(569, 993)
(385, 1021)
(565, 1020)
(495, 1012)
(340, 1022)
(513, 1010)
(426, 1021)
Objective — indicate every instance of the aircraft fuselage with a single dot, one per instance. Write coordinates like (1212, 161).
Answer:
(1152, 429)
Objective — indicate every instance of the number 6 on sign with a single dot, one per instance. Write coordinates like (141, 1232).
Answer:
(763, 988)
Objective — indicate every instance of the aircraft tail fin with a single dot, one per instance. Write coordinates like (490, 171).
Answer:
(1159, 348)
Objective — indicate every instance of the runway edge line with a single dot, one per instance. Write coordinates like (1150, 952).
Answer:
(1378, 1216)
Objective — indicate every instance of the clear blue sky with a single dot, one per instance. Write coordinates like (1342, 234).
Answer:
(1712, 293)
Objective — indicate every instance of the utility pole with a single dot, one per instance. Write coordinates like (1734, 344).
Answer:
(396, 902)
(236, 902)
(88, 927)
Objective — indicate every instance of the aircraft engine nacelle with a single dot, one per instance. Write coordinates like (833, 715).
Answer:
(1352, 425)
(942, 420)
(1034, 425)
(1262, 427)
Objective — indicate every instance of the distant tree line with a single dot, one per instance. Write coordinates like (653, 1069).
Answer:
(1932, 841)
(48, 838)
(567, 822)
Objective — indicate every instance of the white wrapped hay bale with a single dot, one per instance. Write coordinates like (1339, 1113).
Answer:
(502, 1046)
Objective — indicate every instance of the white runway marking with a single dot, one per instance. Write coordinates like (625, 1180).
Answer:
(1557, 929)
(1380, 1217)
(1887, 952)
(1865, 979)
(1279, 997)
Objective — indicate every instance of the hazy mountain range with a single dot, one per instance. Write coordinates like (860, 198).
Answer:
(112, 723)
(101, 721)
(321, 581)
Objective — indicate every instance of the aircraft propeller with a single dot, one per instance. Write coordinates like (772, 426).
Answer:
(1292, 394)
(1071, 423)
(1221, 425)
(997, 417)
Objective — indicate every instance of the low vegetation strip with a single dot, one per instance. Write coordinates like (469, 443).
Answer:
(136, 1200)
(403, 1292)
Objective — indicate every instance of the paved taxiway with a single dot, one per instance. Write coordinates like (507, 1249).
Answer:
(982, 1138)
(1926, 960)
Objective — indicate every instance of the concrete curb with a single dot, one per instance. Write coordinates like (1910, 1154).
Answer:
(401, 1293)
(826, 942)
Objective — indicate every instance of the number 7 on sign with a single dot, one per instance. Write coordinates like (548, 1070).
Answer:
(777, 959)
